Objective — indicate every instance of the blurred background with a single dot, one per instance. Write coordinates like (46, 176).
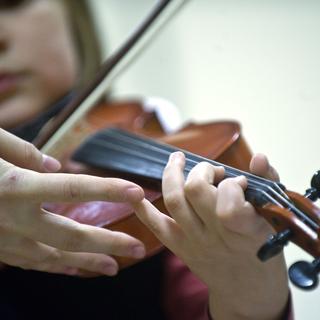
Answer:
(257, 62)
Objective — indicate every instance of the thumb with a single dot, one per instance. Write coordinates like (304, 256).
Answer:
(24, 154)
(260, 166)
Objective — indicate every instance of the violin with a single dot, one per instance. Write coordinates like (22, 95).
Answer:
(108, 156)
(123, 140)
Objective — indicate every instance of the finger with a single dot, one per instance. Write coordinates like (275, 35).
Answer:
(20, 262)
(201, 193)
(95, 263)
(161, 225)
(174, 197)
(59, 187)
(233, 211)
(14, 260)
(24, 154)
(45, 258)
(259, 165)
(68, 235)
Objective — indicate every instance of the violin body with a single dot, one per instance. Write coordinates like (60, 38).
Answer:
(220, 141)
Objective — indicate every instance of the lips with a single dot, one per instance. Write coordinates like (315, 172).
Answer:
(8, 82)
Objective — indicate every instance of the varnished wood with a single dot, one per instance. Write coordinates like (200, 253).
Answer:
(216, 140)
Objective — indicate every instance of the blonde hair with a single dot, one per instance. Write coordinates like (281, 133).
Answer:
(85, 37)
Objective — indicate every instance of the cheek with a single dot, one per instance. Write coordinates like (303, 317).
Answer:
(47, 79)
(55, 73)
(42, 52)
(50, 54)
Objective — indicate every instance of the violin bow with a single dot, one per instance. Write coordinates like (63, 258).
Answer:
(54, 132)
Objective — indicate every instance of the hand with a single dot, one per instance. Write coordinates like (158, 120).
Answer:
(33, 238)
(217, 233)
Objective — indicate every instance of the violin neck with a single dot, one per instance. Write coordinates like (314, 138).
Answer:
(131, 155)
(116, 150)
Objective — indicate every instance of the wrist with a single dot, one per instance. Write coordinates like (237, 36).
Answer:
(253, 291)
(253, 311)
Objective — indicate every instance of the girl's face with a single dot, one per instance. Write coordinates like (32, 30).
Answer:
(38, 59)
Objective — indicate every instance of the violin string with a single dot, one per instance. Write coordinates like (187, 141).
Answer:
(191, 159)
(164, 149)
(158, 146)
(124, 141)
(190, 163)
(264, 187)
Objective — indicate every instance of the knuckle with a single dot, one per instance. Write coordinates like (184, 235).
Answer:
(117, 243)
(30, 154)
(204, 168)
(173, 201)
(228, 185)
(204, 165)
(227, 182)
(49, 258)
(194, 187)
(74, 240)
(226, 213)
(11, 182)
(72, 190)
(154, 227)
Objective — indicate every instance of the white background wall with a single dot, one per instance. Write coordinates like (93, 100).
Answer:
(254, 61)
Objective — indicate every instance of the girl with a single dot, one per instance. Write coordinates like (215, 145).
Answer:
(43, 55)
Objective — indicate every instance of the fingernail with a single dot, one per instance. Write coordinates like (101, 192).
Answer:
(138, 252)
(134, 194)
(50, 164)
(176, 156)
(110, 270)
(242, 180)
